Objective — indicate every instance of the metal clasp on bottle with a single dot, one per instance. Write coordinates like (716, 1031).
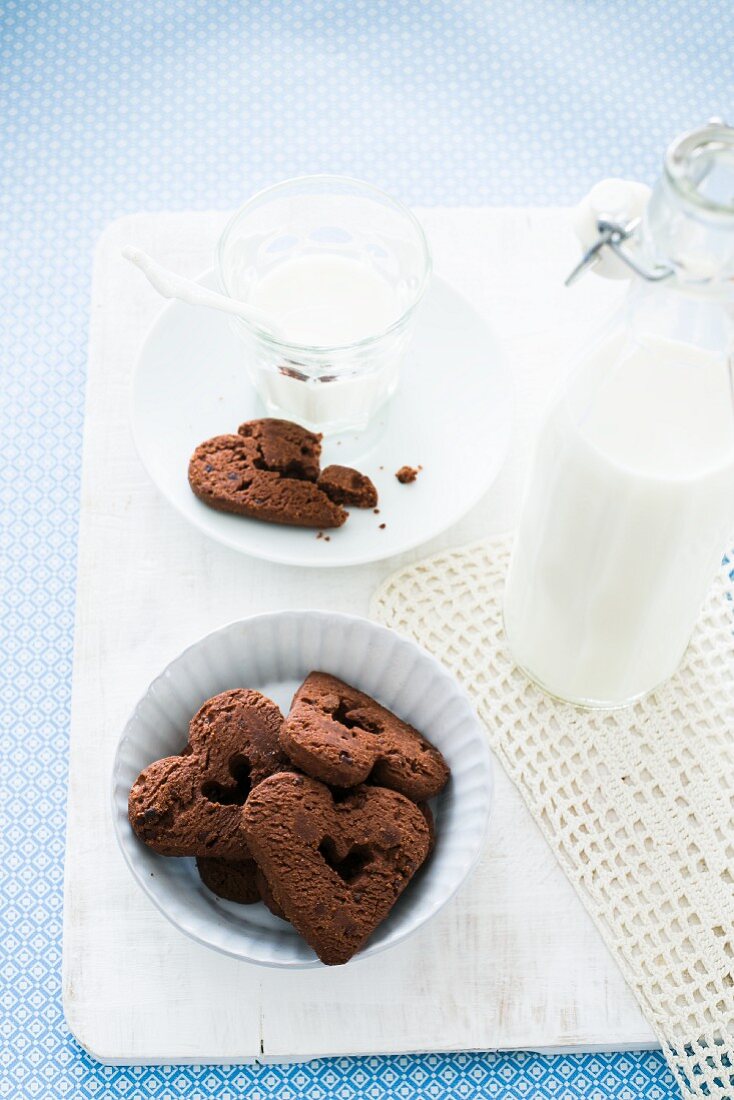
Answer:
(613, 236)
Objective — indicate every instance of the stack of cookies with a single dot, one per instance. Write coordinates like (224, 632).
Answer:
(322, 815)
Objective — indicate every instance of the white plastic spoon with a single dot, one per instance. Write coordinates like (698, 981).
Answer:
(171, 285)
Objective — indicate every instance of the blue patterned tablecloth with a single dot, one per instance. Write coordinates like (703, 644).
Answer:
(110, 107)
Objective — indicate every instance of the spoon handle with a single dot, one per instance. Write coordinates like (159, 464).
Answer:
(172, 285)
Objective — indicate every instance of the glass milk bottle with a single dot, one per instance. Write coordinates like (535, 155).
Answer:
(630, 501)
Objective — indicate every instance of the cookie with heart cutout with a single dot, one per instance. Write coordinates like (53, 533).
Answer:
(242, 881)
(191, 804)
(341, 736)
(336, 865)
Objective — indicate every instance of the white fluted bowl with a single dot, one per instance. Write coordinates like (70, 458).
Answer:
(273, 653)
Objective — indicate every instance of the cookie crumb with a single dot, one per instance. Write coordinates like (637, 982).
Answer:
(407, 474)
(327, 538)
(383, 526)
(376, 511)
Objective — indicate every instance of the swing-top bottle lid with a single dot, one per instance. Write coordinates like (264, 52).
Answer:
(684, 235)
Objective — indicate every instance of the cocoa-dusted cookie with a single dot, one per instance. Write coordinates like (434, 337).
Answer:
(344, 485)
(267, 895)
(231, 474)
(239, 880)
(343, 737)
(425, 809)
(285, 447)
(191, 804)
(336, 867)
(232, 879)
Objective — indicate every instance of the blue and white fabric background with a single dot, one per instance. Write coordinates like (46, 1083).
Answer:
(111, 106)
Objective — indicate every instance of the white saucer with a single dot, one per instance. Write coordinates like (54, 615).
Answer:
(452, 414)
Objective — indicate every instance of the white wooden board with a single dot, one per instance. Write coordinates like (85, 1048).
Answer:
(514, 961)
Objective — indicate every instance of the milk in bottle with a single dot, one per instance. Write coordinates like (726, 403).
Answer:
(630, 501)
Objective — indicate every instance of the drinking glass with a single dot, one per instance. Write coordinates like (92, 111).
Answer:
(335, 386)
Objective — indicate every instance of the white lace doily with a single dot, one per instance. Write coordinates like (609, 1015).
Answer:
(637, 804)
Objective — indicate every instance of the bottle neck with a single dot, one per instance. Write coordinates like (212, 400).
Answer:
(689, 222)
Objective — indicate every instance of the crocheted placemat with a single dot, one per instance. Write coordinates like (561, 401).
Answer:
(637, 804)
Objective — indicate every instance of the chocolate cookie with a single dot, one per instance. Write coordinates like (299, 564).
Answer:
(267, 895)
(230, 473)
(285, 447)
(425, 809)
(232, 879)
(343, 737)
(344, 485)
(239, 880)
(191, 804)
(336, 867)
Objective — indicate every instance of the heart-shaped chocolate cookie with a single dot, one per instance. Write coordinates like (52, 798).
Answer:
(268, 471)
(191, 804)
(343, 737)
(335, 866)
